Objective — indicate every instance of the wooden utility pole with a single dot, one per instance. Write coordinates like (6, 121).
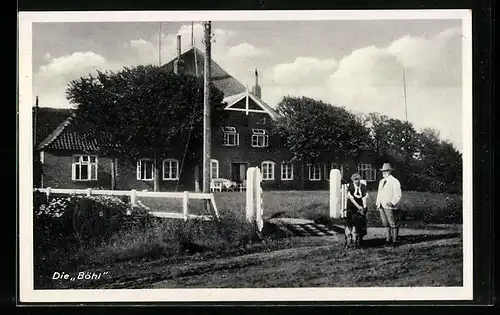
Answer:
(206, 108)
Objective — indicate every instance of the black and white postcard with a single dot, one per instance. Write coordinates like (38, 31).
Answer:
(223, 156)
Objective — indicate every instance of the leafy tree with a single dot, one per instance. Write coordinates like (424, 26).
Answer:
(440, 162)
(316, 131)
(392, 137)
(144, 111)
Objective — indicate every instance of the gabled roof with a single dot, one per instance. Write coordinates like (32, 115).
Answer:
(193, 64)
(47, 119)
(194, 61)
(233, 100)
(65, 137)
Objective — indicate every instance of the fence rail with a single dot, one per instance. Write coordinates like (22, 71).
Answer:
(133, 194)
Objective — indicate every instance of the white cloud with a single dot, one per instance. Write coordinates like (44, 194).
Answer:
(304, 71)
(368, 79)
(371, 79)
(245, 50)
(51, 80)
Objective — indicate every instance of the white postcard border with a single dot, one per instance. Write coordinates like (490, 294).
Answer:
(26, 274)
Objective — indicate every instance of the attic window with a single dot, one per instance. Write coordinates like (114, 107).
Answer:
(231, 137)
(260, 138)
(262, 121)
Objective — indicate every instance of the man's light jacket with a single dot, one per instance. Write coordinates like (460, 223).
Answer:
(389, 194)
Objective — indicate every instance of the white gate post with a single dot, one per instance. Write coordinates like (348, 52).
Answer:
(250, 194)
(185, 200)
(47, 193)
(258, 200)
(335, 205)
(133, 197)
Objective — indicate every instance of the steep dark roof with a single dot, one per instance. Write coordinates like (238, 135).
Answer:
(48, 119)
(194, 59)
(65, 137)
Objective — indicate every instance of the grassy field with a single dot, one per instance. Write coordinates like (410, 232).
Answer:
(174, 253)
(418, 207)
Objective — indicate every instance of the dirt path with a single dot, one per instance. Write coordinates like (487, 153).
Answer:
(425, 258)
(431, 257)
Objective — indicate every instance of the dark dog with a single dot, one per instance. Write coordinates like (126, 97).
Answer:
(353, 227)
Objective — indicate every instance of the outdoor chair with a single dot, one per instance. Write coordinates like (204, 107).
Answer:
(215, 184)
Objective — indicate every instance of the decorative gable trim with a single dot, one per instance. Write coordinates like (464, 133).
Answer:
(234, 99)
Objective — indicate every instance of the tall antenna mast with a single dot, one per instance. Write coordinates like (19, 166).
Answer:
(159, 44)
(404, 89)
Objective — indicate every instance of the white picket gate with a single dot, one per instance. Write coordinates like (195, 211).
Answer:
(133, 194)
(338, 195)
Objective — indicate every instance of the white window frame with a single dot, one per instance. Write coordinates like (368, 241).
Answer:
(316, 166)
(339, 166)
(139, 169)
(230, 132)
(260, 134)
(270, 168)
(212, 163)
(170, 168)
(91, 171)
(367, 172)
(42, 157)
(286, 171)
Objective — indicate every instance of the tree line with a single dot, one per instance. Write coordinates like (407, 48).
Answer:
(149, 108)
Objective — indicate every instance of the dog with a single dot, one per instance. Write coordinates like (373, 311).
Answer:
(353, 226)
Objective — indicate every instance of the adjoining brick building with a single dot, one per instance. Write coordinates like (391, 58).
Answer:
(69, 161)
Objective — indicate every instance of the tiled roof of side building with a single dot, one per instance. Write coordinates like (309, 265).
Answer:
(47, 119)
(65, 137)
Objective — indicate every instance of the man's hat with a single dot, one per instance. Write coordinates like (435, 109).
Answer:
(355, 176)
(387, 167)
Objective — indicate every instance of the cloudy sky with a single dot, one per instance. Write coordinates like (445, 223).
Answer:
(356, 64)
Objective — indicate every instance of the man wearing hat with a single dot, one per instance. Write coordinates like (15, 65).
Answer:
(388, 196)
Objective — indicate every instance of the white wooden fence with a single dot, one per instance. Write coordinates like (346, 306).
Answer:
(133, 194)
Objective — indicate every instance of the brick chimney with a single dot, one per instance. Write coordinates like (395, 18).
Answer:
(256, 90)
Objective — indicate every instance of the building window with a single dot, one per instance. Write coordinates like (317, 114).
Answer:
(333, 166)
(367, 172)
(267, 170)
(314, 171)
(260, 138)
(262, 121)
(214, 169)
(231, 137)
(145, 169)
(84, 167)
(286, 171)
(170, 169)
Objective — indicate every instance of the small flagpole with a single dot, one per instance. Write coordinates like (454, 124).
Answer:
(404, 89)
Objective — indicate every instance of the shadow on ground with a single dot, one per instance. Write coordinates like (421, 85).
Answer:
(409, 239)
